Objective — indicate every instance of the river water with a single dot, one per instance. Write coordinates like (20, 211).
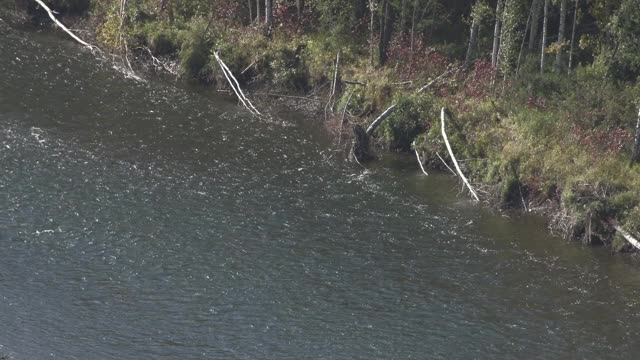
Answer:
(155, 221)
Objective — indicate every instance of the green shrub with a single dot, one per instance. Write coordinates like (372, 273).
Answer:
(409, 119)
(161, 38)
(194, 52)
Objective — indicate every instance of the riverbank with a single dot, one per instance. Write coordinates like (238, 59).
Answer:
(547, 143)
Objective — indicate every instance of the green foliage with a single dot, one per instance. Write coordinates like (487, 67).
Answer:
(563, 137)
(409, 119)
(75, 7)
(161, 38)
(515, 14)
(194, 52)
(624, 29)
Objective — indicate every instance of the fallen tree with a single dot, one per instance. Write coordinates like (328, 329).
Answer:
(443, 116)
(64, 28)
(627, 236)
(235, 86)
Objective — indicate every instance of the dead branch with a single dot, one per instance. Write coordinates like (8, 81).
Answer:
(344, 111)
(426, 87)
(413, 145)
(247, 68)
(354, 82)
(445, 164)
(627, 236)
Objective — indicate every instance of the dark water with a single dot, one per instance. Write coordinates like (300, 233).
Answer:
(146, 221)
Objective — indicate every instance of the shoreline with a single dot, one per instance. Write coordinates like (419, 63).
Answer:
(571, 212)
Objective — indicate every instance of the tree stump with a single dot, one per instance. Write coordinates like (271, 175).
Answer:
(361, 144)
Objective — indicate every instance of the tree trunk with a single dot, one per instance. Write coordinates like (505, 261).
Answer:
(573, 36)
(413, 24)
(170, 11)
(496, 35)
(524, 37)
(561, 29)
(268, 13)
(372, 11)
(386, 32)
(299, 7)
(250, 11)
(635, 156)
(545, 23)
(535, 21)
(403, 11)
(473, 38)
(257, 12)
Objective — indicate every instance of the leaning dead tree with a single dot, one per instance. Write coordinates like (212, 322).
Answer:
(64, 28)
(235, 86)
(627, 236)
(93, 48)
(374, 125)
(443, 116)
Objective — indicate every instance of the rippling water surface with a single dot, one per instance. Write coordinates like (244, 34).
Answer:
(146, 220)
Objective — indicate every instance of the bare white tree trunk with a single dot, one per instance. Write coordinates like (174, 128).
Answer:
(258, 12)
(545, 23)
(561, 31)
(633, 241)
(635, 156)
(235, 86)
(250, 11)
(268, 13)
(373, 5)
(573, 36)
(453, 158)
(496, 35)
(64, 28)
(473, 38)
(420, 163)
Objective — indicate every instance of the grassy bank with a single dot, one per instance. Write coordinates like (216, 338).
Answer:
(555, 143)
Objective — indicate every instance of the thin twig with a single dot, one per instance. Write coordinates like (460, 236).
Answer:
(247, 68)
(426, 87)
(445, 164)
(344, 111)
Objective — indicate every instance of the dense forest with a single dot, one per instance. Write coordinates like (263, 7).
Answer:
(542, 95)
